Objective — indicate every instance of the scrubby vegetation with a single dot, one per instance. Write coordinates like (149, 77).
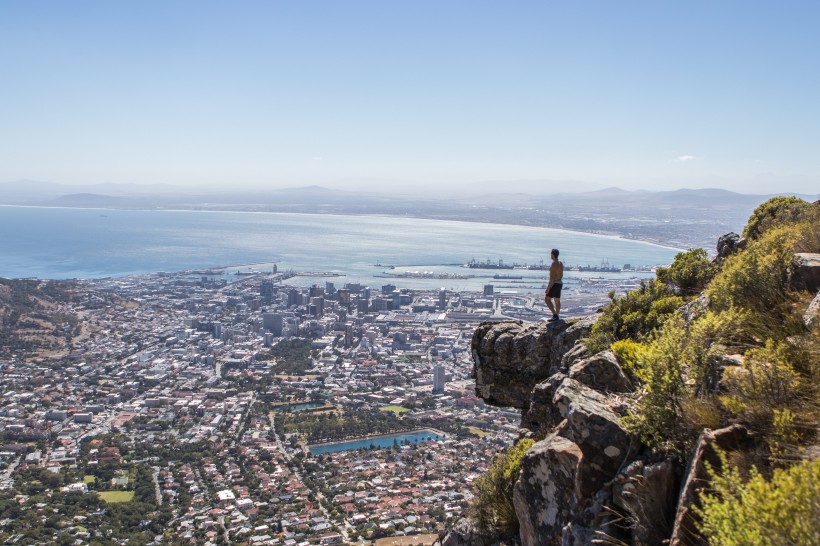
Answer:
(785, 510)
(711, 344)
(635, 315)
(493, 512)
(775, 212)
(753, 310)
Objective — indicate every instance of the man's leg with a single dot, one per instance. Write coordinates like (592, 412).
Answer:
(548, 301)
(557, 310)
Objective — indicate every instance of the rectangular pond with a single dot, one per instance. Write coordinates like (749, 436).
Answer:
(378, 442)
(301, 406)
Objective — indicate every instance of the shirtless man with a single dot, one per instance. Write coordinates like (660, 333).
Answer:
(552, 296)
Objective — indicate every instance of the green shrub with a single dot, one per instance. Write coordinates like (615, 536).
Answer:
(783, 511)
(678, 369)
(690, 272)
(660, 369)
(777, 211)
(634, 316)
(492, 510)
(767, 391)
(757, 280)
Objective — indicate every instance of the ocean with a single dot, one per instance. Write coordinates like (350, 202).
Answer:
(63, 243)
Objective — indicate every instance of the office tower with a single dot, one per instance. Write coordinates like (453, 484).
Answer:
(266, 292)
(439, 378)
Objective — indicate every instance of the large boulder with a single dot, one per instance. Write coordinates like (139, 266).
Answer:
(542, 415)
(546, 495)
(594, 524)
(806, 272)
(510, 358)
(732, 438)
(464, 533)
(592, 424)
(601, 372)
(729, 244)
(648, 493)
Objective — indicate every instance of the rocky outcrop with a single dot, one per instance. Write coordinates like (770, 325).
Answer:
(732, 438)
(581, 481)
(811, 317)
(601, 372)
(571, 401)
(806, 274)
(464, 534)
(547, 494)
(647, 492)
(729, 244)
(510, 358)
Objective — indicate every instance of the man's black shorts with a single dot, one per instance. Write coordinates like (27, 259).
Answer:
(555, 291)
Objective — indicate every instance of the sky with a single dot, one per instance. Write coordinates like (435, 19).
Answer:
(425, 94)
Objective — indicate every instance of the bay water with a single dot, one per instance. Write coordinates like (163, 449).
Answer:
(62, 243)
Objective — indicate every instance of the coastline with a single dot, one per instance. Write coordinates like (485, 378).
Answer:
(597, 233)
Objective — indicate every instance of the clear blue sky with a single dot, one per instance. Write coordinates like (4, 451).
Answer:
(437, 94)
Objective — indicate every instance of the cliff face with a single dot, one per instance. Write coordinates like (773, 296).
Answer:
(585, 479)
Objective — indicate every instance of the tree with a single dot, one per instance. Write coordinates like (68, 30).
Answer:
(690, 272)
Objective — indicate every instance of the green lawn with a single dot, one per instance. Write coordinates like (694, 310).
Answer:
(116, 496)
(478, 432)
(394, 409)
(89, 479)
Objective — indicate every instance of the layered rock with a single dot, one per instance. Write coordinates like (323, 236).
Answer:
(586, 481)
(511, 358)
(566, 397)
(732, 438)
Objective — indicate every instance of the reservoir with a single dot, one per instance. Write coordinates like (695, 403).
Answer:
(301, 406)
(387, 440)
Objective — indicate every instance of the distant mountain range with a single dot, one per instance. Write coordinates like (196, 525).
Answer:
(682, 218)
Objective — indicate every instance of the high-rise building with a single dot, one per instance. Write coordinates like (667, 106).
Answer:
(266, 292)
(489, 289)
(319, 302)
(272, 322)
(439, 378)
(442, 299)
(348, 335)
(293, 297)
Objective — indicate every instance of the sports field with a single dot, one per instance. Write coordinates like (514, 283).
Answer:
(116, 496)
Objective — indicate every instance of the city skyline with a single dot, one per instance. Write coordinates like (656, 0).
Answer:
(541, 97)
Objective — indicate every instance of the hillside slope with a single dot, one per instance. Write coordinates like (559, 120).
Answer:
(714, 364)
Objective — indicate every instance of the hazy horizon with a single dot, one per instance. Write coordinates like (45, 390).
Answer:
(533, 97)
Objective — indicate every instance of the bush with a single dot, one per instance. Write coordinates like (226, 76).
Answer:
(634, 316)
(492, 510)
(774, 212)
(659, 367)
(678, 369)
(783, 511)
(757, 280)
(769, 394)
(690, 272)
